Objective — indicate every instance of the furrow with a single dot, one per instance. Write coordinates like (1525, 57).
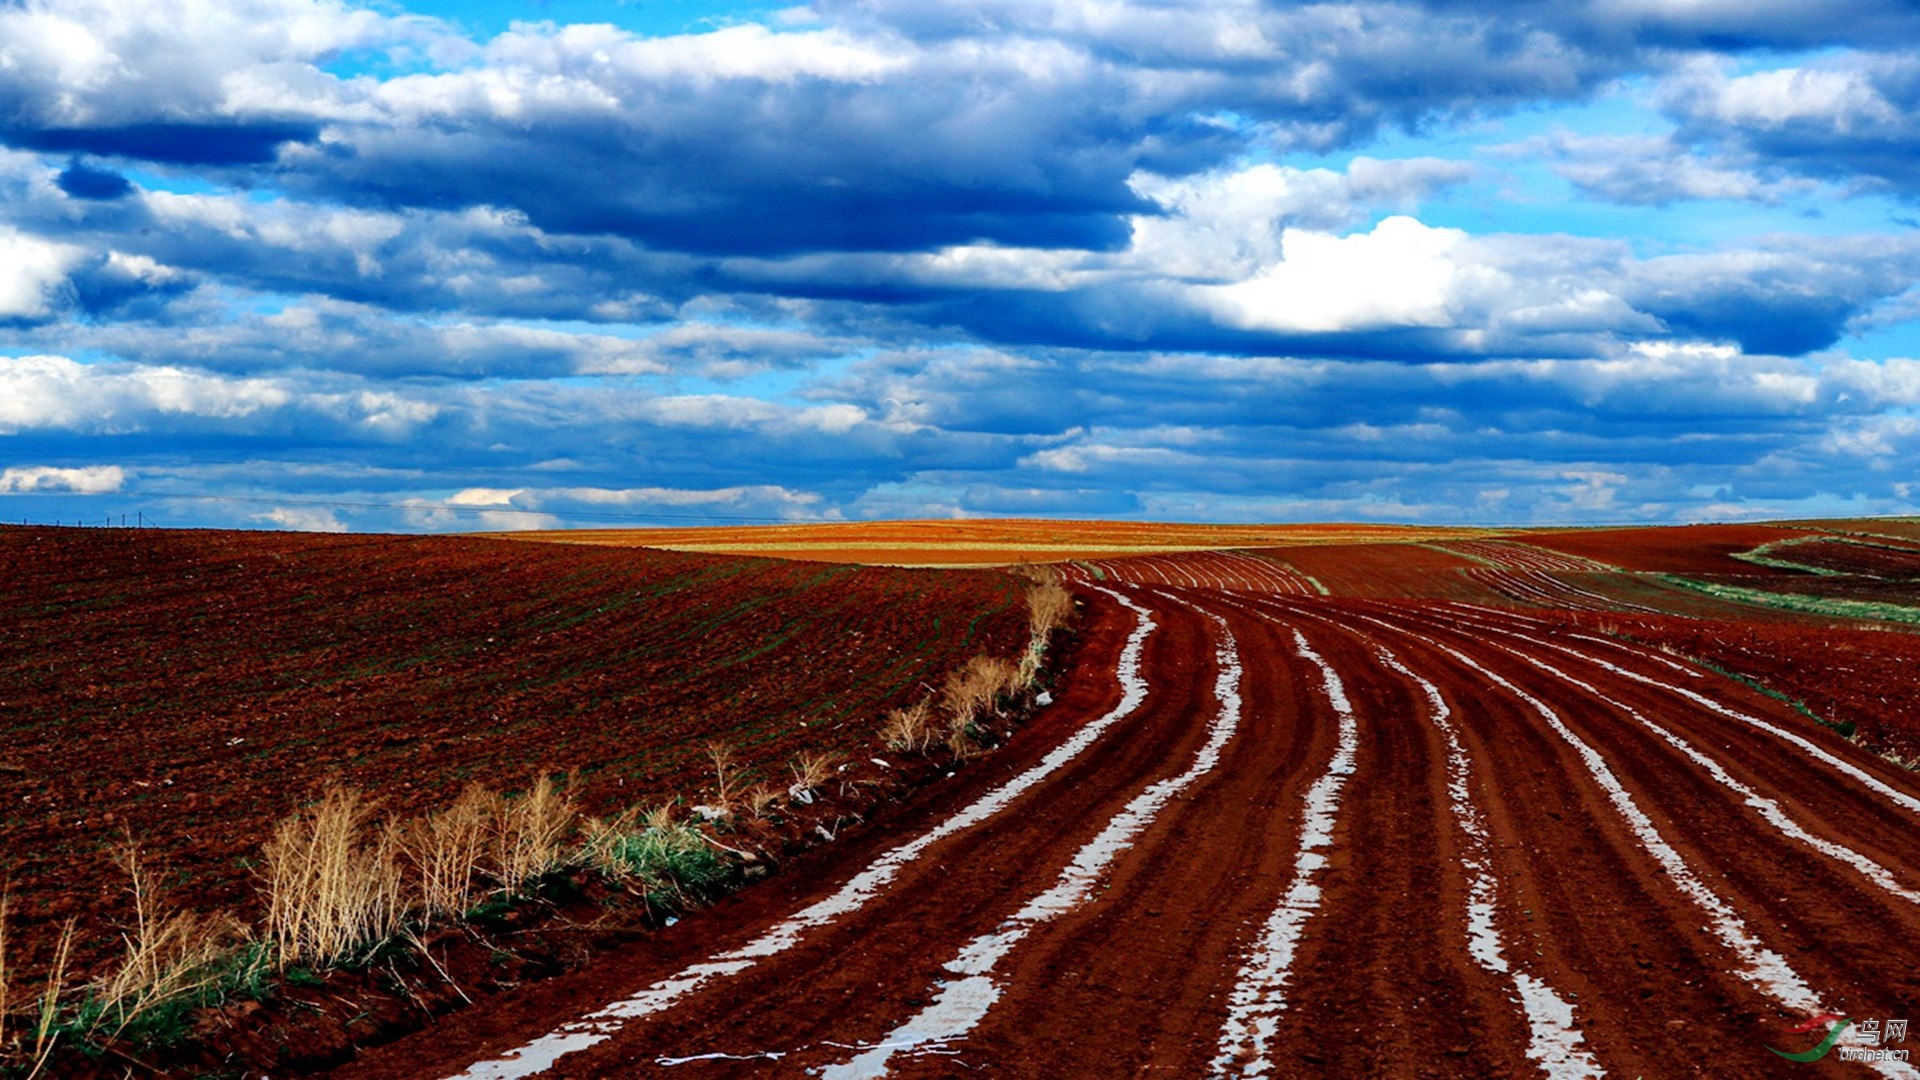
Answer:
(960, 1004)
(541, 1054)
(1259, 995)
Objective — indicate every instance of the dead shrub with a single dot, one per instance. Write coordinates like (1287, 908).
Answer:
(448, 849)
(725, 775)
(333, 881)
(760, 799)
(6, 900)
(810, 770)
(45, 1030)
(910, 730)
(972, 690)
(170, 956)
(531, 832)
(1049, 607)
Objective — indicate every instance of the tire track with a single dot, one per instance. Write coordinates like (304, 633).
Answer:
(599, 1026)
(1341, 837)
(1902, 799)
(1259, 993)
(960, 1004)
(1554, 1040)
(1763, 969)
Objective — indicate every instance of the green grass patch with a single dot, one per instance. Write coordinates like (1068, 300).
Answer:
(674, 864)
(1801, 602)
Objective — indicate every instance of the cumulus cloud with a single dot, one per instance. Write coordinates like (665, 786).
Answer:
(84, 480)
(962, 256)
(303, 519)
(33, 275)
(1654, 170)
(56, 392)
(1398, 275)
(1849, 118)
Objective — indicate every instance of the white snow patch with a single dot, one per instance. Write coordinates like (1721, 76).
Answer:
(540, 1055)
(1768, 809)
(1872, 782)
(1553, 1037)
(1764, 969)
(959, 1005)
(1260, 993)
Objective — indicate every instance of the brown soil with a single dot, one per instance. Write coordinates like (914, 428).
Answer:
(1679, 549)
(1136, 970)
(1137, 977)
(187, 689)
(989, 540)
(1388, 571)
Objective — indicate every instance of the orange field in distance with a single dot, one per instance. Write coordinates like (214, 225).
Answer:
(987, 542)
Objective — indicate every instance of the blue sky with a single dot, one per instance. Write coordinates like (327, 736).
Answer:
(286, 264)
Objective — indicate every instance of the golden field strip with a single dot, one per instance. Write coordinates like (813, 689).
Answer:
(999, 541)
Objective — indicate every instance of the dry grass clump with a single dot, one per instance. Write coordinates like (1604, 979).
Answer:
(984, 683)
(972, 690)
(1048, 608)
(910, 730)
(45, 1031)
(760, 799)
(6, 900)
(333, 881)
(170, 957)
(447, 848)
(531, 833)
(810, 770)
(485, 836)
(726, 775)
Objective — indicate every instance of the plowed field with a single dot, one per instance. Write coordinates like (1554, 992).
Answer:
(1274, 832)
(999, 541)
(187, 689)
(1506, 810)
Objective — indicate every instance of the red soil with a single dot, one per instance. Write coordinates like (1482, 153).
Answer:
(1677, 549)
(187, 689)
(1136, 967)
(1880, 559)
(1384, 976)
(1868, 677)
(1388, 571)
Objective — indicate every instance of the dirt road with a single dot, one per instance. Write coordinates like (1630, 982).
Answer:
(1294, 835)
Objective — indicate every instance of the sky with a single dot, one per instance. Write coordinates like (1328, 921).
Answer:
(455, 266)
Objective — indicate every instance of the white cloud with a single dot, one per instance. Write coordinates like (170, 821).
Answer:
(32, 273)
(1773, 98)
(80, 62)
(1226, 224)
(518, 521)
(1402, 274)
(755, 494)
(47, 392)
(303, 519)
(85, 480)
(485, 496)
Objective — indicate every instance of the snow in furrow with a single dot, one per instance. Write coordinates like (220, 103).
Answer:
(540, 1055)
(1553, 1038)
(1259, 995)
(960, 1004)
(1873, 782)
(1762, 968)
(1769, 809)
